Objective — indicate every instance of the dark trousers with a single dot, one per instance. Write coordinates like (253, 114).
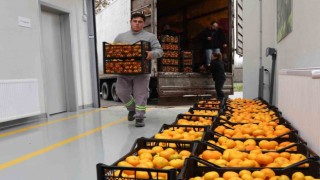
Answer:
(219, 86)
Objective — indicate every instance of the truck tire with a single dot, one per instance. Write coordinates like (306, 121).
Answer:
(114, 93)
(105, 91)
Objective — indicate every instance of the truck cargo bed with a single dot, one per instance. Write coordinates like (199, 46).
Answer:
(182, 84)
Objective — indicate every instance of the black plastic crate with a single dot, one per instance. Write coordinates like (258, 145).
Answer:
(125, 51)
(207, 105)
(187, 61)
(278, 120)
(298, 142)
(168, 39)
(302, 149)
(291, 137)
(194, 109)
(107, 172)
(126, 58)
(205, 100)
(170, 61)
(197, 167)
(186, 128)
(194, 118)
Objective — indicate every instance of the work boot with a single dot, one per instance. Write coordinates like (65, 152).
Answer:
(130, 115)
(139, 123)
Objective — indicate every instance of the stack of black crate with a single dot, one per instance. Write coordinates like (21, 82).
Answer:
(170, 61)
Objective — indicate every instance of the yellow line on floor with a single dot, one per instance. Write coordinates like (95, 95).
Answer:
(47, 123)
(59, 144)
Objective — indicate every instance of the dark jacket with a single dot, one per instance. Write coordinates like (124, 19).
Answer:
(217, 70)
(207, 44)
(218, 38)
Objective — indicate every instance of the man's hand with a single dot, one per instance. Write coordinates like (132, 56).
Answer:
(149, 55)
(225, 45)
(209, 38)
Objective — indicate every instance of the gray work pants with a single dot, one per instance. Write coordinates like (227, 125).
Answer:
(133, 90)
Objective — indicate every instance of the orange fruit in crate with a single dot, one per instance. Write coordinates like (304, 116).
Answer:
(146, 156)
(281, 160)
(146, 162)
(229, 132)
(258, 174)
(144, 151)
(258, 133)
(175, 156)
(229, 174)
(160, 162)
(250, 142)
(273, 165)
(165, 154)
(248, 163)
(240, 147)
(283, 177)
(297, 157)
(242, 172)
(220, 129)
(176, 163)
(185, 153)
(268, 172)
(264, 159)
(273, 154)
(157, 149)
(247, 177)
(234, 154)
(210, 175)
(230, 143)
(126, 164)
(208, 154)
(133, 160)
(285, 155)
(235, 163)
(222, 139)
(250, 147)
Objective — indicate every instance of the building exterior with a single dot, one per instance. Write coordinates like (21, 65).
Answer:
(47, 41)
(299, 49)
(296, 90)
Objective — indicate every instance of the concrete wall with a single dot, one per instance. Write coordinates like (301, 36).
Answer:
(110, 22)
(20, 47)
(299, 49)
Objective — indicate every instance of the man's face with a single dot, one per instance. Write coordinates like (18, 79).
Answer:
(215, 26)
(137, 24)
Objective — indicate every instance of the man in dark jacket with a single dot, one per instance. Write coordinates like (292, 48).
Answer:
(218, 38)
(207, 43)
(213, 40)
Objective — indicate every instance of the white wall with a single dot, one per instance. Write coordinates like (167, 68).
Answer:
(299, 49)
(20, 47)
(251, 60)
(110, 22)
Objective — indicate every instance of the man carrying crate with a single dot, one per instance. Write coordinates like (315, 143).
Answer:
(133, 90)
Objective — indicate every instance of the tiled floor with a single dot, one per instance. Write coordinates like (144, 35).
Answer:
(69, 145)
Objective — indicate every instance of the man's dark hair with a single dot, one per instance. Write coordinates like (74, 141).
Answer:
(136, 15)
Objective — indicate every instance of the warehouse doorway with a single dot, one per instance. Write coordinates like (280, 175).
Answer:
(57, 61)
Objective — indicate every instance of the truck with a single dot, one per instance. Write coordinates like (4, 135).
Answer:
(188, 18)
